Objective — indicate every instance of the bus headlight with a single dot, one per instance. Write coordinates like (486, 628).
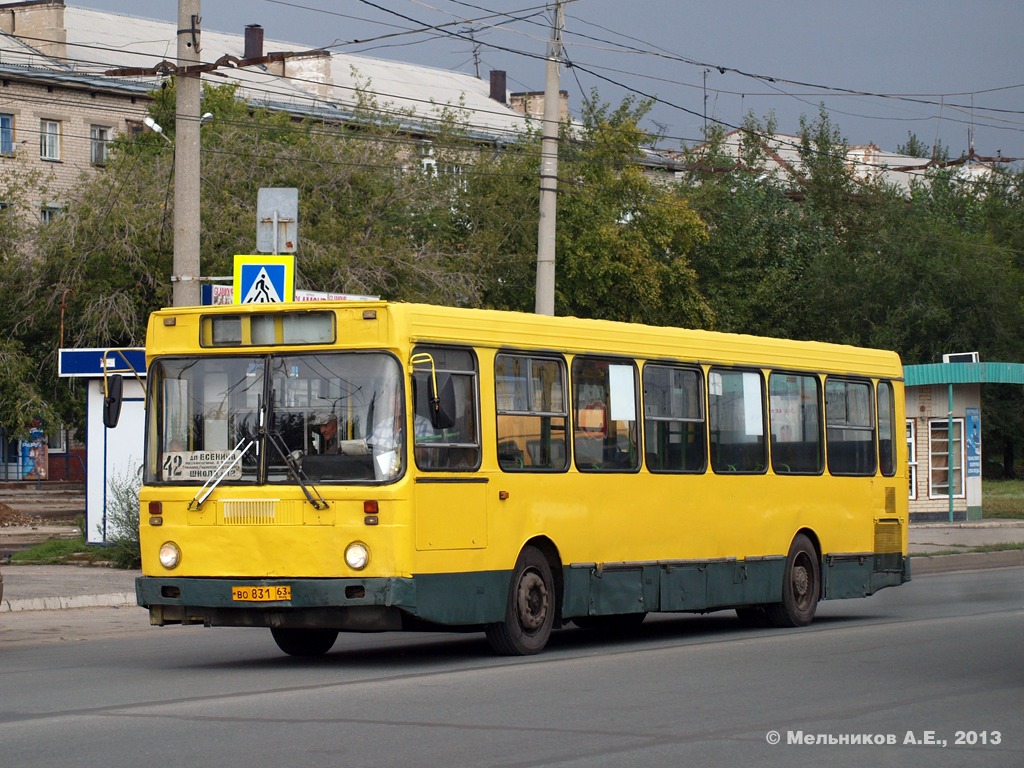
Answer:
(170, 555)
(357, 556)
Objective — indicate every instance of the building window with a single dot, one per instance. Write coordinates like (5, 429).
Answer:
(49, 213)
(49, 139)
(912, 457)
(938, 458)
(99, 137)
(6, 134)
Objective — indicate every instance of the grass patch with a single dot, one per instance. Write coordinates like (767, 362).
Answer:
(60, 552)
(1002, 499)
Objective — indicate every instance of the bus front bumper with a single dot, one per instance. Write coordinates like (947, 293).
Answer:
(354, 605)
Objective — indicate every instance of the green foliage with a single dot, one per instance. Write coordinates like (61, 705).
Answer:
(622, 240)
(122, 515)
(22, 404)
(915, 147)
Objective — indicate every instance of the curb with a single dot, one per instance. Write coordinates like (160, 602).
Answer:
(116, 599)
(924, 565)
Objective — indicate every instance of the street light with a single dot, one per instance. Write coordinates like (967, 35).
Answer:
(154, 126)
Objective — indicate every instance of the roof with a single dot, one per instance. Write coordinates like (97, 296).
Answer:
(500, 329)
(866, 161)
(99, 41)
(963, 373)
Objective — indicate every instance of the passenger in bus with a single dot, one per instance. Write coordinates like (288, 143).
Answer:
(386, 439)
(327, 432)
(387, 433)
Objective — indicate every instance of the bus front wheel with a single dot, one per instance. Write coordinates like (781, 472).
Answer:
(801, 586)
(530, 608)
(304, 642)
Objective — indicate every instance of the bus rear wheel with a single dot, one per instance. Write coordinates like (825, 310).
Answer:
(304, 642)
(530, 608)
(801, 587)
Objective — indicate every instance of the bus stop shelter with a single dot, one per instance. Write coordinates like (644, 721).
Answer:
(944, 436)
(115, 455)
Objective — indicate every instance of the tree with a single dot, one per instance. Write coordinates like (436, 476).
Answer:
(622, 239)
(917, 148)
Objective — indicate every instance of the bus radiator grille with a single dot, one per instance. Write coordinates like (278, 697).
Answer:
(258, 512)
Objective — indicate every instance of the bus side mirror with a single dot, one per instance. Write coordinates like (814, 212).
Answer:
(442, 402)
(112, 399)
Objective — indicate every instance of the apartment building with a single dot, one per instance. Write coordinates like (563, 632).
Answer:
(71, 79)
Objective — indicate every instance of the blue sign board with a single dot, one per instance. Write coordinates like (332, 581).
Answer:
(93, 363)
(973, 427)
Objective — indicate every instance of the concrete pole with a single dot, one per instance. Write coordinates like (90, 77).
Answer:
(545, 291)
(185, 271)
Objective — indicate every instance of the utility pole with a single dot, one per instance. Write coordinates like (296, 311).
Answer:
(185, 270)
(545, 291)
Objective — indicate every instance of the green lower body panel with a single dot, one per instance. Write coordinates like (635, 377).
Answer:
(707, 585)
(474, 599)
(862, 575)
(346, 604)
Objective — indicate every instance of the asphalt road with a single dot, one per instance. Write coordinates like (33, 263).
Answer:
(896, 679)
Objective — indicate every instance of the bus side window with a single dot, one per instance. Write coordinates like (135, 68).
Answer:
(531, 413)
(456, 447)
(794, 407)
(886, 429)
(736, 419)
(605, 415)
(674, 426)
(850, 427)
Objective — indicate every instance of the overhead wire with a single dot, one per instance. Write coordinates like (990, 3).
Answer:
(574, 66)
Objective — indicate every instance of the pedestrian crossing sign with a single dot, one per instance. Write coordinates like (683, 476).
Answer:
(264, 279)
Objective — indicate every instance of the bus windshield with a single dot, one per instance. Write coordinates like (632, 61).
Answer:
(243, 420)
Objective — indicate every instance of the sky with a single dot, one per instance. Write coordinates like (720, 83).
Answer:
(948, 71)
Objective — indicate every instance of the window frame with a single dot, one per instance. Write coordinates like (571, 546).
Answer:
(884, 385)
(842, 422)
(50, 140)
(778, 467)
(941, 426)
(447, 455)
(49, 213)
(686, 432)
(911, 428)
(7, 134)
(597, 434)
(512, 457)
(99, 144)
(715, 445)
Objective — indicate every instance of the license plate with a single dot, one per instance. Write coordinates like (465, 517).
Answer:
(261, 594)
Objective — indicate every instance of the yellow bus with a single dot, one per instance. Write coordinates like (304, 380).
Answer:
(371, 466)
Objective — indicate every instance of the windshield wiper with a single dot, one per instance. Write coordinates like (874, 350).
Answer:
(295, 470)
(222, 471)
